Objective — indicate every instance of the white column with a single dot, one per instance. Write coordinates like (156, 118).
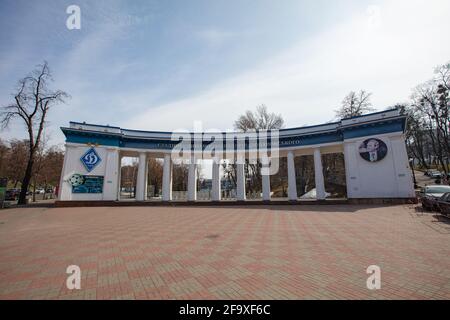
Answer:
(112, 174)
(318, 173)
(192, 180)
(352, 178)
(167, 178)
(240, 181)
(65, 189)
(265, 179)
(141, 181)
(292, 183)
(216, 187)
(119, 182)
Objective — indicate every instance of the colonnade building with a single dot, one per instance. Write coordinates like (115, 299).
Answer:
(373, 148)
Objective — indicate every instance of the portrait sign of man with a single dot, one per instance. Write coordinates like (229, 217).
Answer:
(373, 150)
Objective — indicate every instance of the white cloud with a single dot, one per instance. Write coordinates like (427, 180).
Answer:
(387, 50)
(214, 37)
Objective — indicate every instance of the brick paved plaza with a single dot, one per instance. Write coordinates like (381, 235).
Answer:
(275, 252)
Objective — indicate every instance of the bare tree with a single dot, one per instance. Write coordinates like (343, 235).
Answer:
(431, 105)
(32, 102)
(180, 174)
(261, 119)
(416, 136)
(428, 131)
(3, 158)
(39, 164)
(48, 175)
(355, 104)
(128, 176)
(16, 160)
(155, 174)
(46, 169)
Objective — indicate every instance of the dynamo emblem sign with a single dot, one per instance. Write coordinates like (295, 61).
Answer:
(90, 159)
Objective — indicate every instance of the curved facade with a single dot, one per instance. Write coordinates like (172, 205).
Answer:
(376, 161)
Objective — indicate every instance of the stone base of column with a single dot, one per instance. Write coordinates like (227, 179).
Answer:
(171, 203)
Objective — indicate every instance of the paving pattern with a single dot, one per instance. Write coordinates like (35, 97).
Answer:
(276, 252)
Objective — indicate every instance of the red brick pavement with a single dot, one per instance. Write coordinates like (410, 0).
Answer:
(285, 252)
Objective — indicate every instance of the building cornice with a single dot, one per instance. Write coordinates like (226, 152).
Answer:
(366, 125)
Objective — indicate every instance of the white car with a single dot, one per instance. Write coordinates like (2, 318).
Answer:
(435, 174)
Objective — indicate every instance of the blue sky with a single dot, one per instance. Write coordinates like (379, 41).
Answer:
(161, 65)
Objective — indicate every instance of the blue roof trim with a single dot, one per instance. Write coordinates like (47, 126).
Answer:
(91, 124)
(86, 137)
(309, 127)
(170, 132)
(361, 129)
(369, 114)
(370, 129)
(281, 130)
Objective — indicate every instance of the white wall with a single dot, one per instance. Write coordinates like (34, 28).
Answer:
(389, 178)
(108, 167)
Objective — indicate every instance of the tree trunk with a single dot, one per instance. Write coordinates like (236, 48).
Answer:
(34, 191)
(26, 181)
(45, 191)
(156, 191)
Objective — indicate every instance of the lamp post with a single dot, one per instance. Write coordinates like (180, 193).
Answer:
(411, 161)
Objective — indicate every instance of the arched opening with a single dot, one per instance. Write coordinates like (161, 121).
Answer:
(154, 178)
(128, 177)
(334, 175)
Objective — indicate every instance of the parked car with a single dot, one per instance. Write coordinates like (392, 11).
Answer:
(444, 204)
(435, 174)
(430, 194)
(12, 194)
